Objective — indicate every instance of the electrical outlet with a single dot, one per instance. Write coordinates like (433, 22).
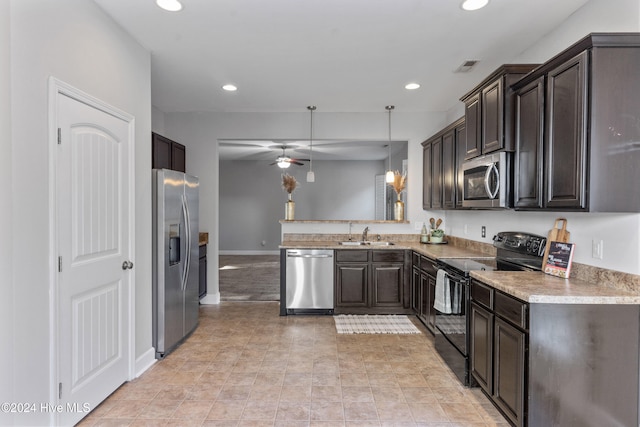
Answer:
(597, 249)
(483, 231)
(465, 229)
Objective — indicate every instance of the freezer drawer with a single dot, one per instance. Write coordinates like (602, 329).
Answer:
(309, 280)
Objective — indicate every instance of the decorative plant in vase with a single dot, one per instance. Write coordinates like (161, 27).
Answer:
(289, 184)
(399, 184)
(437, 234)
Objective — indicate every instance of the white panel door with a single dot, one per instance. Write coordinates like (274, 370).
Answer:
(93, 238)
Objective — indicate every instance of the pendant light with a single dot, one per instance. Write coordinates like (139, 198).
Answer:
(311, 177)
(389, 176)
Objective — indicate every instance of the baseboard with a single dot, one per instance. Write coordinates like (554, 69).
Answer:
(211, 299)
(145, 361)
(270, 252)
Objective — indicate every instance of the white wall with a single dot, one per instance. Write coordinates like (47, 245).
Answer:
(252, 199)
(74, 41)
(201, 131)
(7, 334)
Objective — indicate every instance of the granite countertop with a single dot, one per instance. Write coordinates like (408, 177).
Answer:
(537, 287)
(433, 251)
(529, 286)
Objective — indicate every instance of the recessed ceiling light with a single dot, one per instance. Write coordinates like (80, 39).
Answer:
(170, 5)
(412, 86)
(474, 4)
(230, 88)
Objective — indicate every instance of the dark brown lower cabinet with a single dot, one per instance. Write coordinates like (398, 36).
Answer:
(499, 339)
(509, 370)
(423, 289)
(482, 346)
(372, 281)
(352, 285)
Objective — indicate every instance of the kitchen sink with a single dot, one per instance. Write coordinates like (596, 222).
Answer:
(361, 243)
(352, 243)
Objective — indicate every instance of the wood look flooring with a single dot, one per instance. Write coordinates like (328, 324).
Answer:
(249, 277)
(247, 366)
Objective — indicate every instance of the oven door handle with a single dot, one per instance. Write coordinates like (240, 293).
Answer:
(492, 169)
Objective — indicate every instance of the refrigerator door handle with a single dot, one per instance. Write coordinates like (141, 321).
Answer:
(185, 271)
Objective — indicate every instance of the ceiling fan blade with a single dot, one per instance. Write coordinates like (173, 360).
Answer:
(296, 163)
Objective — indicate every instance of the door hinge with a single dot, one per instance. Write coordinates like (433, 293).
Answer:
(59, 136)
(59, 390)
(59, 264)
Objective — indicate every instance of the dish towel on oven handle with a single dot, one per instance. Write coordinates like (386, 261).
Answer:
(442, 301)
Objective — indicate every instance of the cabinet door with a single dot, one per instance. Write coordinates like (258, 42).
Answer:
(352, 285)
(415, 290)
(424, 297)
(529, 139)
(431, 296)
(509, 370)
(481, 351)
(426, 176)
(178, 157)
(202, 281)
(461, 134)
(473, 137)
(566, 134)
(492, 117)
(387, 282)
(436, 174)
(448, 170)
(160, 152)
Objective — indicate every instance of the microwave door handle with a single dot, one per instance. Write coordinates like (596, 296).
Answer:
(487, 181)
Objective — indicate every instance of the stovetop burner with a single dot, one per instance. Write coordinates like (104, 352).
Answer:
(515, 251)
(465, 265)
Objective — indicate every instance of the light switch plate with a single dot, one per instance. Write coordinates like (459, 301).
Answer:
(597, 249)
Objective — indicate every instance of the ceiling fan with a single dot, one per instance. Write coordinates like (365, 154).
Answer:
(285, 161)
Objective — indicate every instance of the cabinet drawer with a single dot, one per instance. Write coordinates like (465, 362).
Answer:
(352, 256)
(482, 294)
(387, 256)
(428, 266)
(511, 309)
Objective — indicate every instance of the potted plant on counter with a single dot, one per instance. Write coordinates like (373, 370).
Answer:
(289, 184)
(437, 235)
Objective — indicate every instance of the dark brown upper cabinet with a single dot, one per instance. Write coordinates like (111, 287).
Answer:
(577, 128)
(442, 159)
(528, 160)
(489, 111)
(167, 154)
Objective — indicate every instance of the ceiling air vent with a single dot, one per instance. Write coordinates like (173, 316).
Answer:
(466, 66)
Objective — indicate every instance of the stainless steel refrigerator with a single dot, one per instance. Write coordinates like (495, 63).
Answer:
(175, 258)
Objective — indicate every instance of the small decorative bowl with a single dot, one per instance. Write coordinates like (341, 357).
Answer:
(436, 239)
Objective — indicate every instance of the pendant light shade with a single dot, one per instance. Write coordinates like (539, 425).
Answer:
(389, 176)
(311, 177)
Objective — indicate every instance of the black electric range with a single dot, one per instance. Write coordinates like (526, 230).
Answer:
(515, 251)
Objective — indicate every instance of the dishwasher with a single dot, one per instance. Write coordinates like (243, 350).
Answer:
(309, 281)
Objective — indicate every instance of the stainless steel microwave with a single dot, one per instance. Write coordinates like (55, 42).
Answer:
(485, 183)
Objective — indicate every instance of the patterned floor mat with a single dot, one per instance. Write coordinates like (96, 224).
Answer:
(374, 324)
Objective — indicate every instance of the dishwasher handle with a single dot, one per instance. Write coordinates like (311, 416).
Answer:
(308, 256)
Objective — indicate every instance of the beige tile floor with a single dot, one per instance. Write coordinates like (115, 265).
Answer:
(247, 366)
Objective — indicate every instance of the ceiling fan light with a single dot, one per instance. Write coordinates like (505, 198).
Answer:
(311, 177)
(169, 5)
(283, 164)
(389, 177)
(474, 4)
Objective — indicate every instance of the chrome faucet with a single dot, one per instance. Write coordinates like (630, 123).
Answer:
(364, 234)
(350, 225)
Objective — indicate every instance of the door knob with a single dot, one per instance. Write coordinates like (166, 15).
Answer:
(127, 265)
